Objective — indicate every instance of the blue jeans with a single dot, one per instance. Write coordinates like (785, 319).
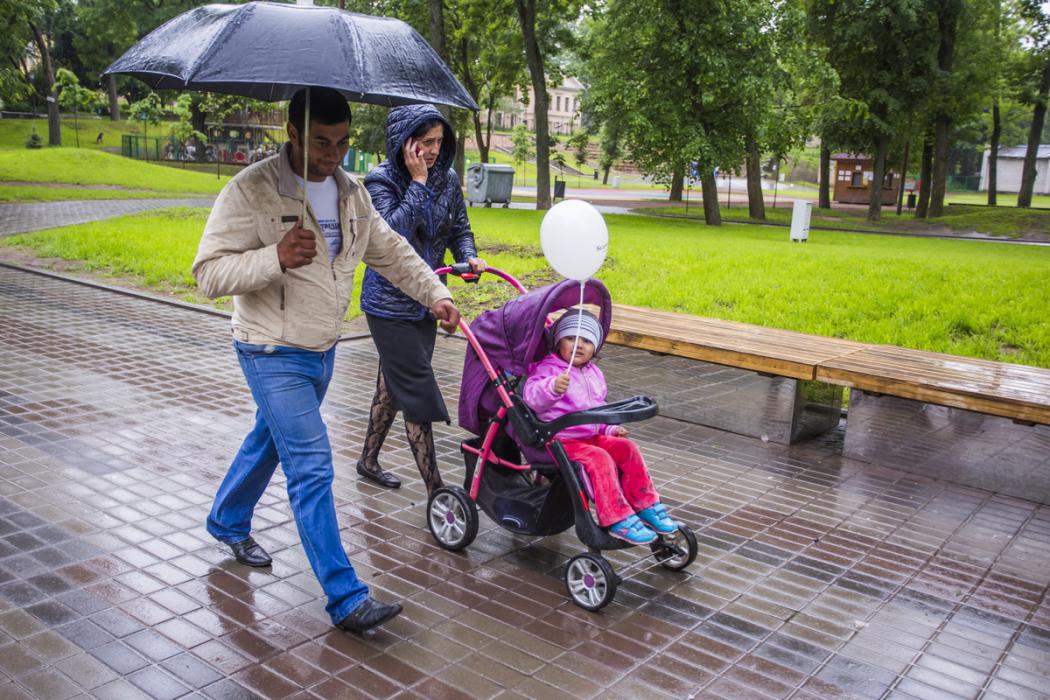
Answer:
(288, 385)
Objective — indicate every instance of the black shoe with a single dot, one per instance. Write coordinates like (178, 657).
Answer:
(369, 614)
(380, 476)
(249, 553)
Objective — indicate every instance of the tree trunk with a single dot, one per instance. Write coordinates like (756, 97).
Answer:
(527, 17)
(460, 166)
(925, 169)
(997, 125)
(939, 185)
(756, 206)
(114, 105)
(54, 123)
(882, 146)
(198, 118)
(677, 183)
(904, 176)
(1024, 196)
(605, 175)
(993, 154)
(483, 148)
(709, 187)
(824, 190)
(947, 25)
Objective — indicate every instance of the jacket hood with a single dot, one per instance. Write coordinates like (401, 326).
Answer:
(400, 124)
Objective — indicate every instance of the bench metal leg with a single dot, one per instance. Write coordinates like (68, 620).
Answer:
(776, 409)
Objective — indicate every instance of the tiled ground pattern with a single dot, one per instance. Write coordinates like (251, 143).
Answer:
(15, 218)
(817, 577)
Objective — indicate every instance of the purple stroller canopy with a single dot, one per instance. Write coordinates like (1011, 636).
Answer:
(513, 337)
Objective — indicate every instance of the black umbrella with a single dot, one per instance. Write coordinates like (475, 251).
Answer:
(268, 51)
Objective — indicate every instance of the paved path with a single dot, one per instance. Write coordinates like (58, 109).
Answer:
(17, 218)
(817, 577)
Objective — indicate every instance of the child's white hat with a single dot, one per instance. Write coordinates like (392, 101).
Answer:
(589, 326)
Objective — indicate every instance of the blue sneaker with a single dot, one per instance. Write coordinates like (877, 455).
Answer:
(655, 516)
(632, 530)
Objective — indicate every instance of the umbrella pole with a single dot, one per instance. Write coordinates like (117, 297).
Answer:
(306, 155)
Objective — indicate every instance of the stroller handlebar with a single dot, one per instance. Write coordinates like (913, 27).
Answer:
(465, 273)
(636, 408)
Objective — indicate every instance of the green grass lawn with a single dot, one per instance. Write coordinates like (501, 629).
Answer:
(79, 166)
(962, 297)
(1009, 222)
(15, 132)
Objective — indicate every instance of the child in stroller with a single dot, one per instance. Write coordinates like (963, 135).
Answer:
(624, 497)
(517, 469)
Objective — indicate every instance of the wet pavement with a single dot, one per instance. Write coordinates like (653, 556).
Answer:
(817, 577)
(36, 216)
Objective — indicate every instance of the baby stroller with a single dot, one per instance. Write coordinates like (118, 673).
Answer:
(516, 470)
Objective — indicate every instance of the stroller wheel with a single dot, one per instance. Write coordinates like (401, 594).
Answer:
(677, 551)
(452, 517)
(590, 581)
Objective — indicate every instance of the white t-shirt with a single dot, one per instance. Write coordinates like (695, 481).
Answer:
(324, 200)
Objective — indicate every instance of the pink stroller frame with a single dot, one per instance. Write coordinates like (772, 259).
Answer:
(517, 470)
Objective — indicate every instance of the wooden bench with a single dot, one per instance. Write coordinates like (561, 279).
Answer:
(974, 421)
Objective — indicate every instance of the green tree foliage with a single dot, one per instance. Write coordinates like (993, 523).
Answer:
(881, 51)
(30, 23)
(670, 77)
(148, 110)
(522, 146)
(183, 128)
(74, 97)
(1035, 86)
(546, 34)
(579, 144)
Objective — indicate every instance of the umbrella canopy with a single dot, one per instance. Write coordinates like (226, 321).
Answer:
(267, 51)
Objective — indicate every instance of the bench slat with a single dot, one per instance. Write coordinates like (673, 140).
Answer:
(1013, 391)
(756, 348)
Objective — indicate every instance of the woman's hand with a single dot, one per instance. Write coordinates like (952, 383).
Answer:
(414, 162)
(477, 265)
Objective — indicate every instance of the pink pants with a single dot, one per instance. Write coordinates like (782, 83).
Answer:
(618, 476)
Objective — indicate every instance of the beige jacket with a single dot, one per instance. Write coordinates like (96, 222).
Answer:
(303, 307)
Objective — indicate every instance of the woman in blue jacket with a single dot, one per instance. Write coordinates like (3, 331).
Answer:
(419, 195)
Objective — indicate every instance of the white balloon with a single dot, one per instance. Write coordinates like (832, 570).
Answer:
(574, 238)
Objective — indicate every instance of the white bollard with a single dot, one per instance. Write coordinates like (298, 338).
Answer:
(800, 214)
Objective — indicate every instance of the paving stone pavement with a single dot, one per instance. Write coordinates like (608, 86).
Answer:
(817, 577)
(18, 218)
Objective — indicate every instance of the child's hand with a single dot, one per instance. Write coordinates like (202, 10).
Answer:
(618, 431)
(561, 384)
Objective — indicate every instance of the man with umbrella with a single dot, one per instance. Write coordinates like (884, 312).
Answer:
(291, 282)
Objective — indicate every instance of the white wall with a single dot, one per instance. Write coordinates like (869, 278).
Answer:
(1009, 174)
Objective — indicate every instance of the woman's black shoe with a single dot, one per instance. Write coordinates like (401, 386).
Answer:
(249, 553)
(371, 613)
(379, 476)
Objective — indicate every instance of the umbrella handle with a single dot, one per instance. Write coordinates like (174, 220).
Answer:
(306, 156)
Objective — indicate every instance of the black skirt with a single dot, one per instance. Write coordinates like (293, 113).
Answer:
(406, 349)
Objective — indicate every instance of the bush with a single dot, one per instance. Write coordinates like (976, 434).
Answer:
(34, 140)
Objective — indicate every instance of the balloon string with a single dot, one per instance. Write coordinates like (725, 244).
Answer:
(579, 325)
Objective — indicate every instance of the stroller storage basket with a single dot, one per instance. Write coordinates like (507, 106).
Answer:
(511, 499)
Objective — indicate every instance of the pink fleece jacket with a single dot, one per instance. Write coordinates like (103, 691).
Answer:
(587, 389)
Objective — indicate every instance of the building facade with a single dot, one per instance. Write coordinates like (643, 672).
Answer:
(1008, 169)
(853, 178)
(563, 113)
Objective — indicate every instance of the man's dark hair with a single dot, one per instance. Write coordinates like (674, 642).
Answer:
(327, 106)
